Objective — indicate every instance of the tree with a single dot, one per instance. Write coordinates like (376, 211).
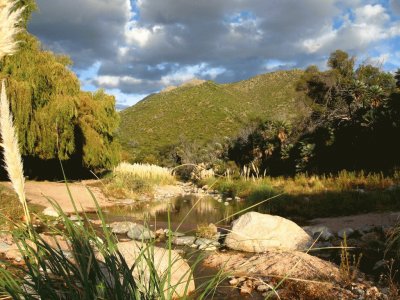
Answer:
(397, 77)
(55, 119)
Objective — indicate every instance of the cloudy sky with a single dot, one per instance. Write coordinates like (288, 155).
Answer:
(135, 47)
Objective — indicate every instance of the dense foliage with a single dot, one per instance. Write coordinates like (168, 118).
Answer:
(354, 124)
(55, 119)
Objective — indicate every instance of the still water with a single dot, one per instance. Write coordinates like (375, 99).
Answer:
(183, 212)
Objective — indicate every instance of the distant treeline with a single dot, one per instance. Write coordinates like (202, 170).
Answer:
(354, 124)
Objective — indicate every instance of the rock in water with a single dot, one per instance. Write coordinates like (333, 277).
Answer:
(121, 227)
(183, 240)
(181, 274)
(139, 232)
(255, 232)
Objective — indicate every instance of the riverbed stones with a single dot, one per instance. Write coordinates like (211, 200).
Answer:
(348, 232)
(139, 232)
(121, 227)
(50, 212)
(183, 240)
(256, 232)
(321, 232)
(181, 275)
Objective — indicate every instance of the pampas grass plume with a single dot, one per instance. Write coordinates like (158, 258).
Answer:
(12, 157)
(8, 27)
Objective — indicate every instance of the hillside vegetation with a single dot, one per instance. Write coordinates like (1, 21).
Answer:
(207, 112)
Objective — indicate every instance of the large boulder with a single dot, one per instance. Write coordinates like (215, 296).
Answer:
(255, 232)
(181, 281)
(280, 264)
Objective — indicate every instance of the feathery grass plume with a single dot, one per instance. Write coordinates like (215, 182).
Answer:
(12, 156)
(8, 27)
(9, 19)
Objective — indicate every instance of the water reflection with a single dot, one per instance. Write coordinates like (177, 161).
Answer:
(186, 209)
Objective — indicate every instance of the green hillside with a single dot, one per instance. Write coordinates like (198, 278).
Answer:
(208, 111)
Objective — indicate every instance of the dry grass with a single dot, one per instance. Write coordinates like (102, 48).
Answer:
(10, 208)
(130, 180)
(150, 173)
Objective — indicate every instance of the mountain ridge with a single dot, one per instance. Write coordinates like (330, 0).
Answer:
(207, 112)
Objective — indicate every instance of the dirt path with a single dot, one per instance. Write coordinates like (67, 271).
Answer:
(37, 193)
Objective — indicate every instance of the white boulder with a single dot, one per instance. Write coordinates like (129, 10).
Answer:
(256, 232)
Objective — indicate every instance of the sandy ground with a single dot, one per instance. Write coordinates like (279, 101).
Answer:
(38, 192)
(358, 221)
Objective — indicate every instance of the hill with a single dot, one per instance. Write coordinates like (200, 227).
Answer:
(207, 111)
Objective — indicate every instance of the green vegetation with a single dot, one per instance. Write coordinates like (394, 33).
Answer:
(354, 119)
(167, 127)
(56, 120)
(305, 197)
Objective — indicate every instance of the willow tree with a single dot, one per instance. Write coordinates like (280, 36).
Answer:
(55, 119)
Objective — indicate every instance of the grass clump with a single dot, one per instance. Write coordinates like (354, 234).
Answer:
(10, 208)
(128, 180)
(151, 173)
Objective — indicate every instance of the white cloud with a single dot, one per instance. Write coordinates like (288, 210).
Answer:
(115, 81)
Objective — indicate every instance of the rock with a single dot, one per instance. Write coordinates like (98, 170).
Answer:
(121, 227)
(139, 232)
(322, 232)
(262, 288)
(4, 247)
(50, 212)
(255, 232)
(75, 218)
(178, 234)
(365, 229)
(275, 263)
(183, 240)
(345, 231)
(234, 281)
(160, 233)
(380, 264)
(181, 274)
(208, 248)
(246, 288)
(206, 242)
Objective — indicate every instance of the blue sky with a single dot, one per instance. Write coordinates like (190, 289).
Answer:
(132, 48)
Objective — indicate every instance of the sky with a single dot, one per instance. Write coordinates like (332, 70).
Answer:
(132, 48)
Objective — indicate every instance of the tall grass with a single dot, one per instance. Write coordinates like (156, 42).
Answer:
(151, 173)
(128, 180)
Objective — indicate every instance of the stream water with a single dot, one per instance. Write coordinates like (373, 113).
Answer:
(184, 213)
